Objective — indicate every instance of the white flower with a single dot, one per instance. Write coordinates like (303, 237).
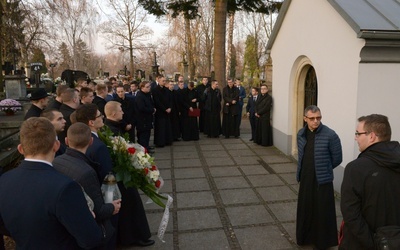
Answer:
(154, 174)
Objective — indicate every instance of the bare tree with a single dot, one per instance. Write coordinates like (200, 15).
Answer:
(125, 28)
(73, 21)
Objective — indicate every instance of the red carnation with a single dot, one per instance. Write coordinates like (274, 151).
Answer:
(153, 168)
(146, 171)
(158, 184)
(131, 150)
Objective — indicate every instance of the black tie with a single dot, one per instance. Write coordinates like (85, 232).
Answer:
(254, 98)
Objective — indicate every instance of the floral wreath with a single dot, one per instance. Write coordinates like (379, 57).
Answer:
(133, 166)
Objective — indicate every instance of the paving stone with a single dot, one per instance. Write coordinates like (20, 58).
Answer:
(231, 182)
(216, 153)
(290, 228)
(162, 156)
(219, 162)
(241, 152)
(224, 171)
(248, 215)
(230, 145)
(154, 220)
(211, 147)
(276, 159)
(165, 174)
(290, 178)
(259, 150)
(167, 245)
(203, 240)
(276, 193)
(265, 180)
(167, 187)
(187, 163)
(246, 160)
(187, 185)
(186, 154)
(254, 170)
(285, 211)
(198, 219)
(266, 237)
(238, 196)
(195, 199)
(284, 168)
(295, 187)
(230, 140)
(163, 164)
(184, 173)
(183, 148)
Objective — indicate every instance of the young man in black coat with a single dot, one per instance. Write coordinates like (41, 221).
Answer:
(76, 165)
(371, 184)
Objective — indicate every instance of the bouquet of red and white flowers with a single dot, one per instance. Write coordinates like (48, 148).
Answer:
(133, 165)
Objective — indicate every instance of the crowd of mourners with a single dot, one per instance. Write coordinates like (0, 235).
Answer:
(174, 111)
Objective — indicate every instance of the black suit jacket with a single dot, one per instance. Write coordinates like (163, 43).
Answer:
(251, 105)
(100, 103)
(98, 152)
(45, 209)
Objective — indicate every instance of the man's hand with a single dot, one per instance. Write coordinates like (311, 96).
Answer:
(117, 206)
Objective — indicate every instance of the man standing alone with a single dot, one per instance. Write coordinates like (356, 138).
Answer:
(319, 151)
(371, 184)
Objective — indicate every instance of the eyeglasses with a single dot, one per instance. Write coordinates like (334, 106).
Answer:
(357, 134)
(101, 115)
(318, 118)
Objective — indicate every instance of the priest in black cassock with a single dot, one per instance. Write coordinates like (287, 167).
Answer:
(230, 122)
(189, 99)
(212, 98)
(263, 116)
(162, 121)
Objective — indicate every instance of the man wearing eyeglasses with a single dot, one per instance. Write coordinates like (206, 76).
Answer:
(371, 184)
(319, 152)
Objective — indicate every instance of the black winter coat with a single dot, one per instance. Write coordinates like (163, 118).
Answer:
(370, 194)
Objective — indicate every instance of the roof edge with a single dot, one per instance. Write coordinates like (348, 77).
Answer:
(345, 16)
(379, 34)
(278, 24)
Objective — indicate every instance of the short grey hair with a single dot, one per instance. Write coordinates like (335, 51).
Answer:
(311, 108)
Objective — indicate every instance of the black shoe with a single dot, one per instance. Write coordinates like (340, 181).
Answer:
(236, 137)
(251, 139)
(150, 147)
(226, 137)
(145, 243)
(151, 151)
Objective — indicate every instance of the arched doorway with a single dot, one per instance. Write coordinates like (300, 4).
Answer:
(305, 87)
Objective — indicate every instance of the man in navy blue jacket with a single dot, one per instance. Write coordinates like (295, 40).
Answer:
(41, 208)
(319, 151)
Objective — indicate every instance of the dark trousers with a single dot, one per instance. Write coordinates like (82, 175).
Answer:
(201, 120)
(132, 134)
(144, 138)
(253, 123)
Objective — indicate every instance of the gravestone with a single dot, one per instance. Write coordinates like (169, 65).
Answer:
(15, 86)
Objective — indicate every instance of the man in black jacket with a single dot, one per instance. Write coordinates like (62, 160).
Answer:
(371, 184)
(76, 165)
